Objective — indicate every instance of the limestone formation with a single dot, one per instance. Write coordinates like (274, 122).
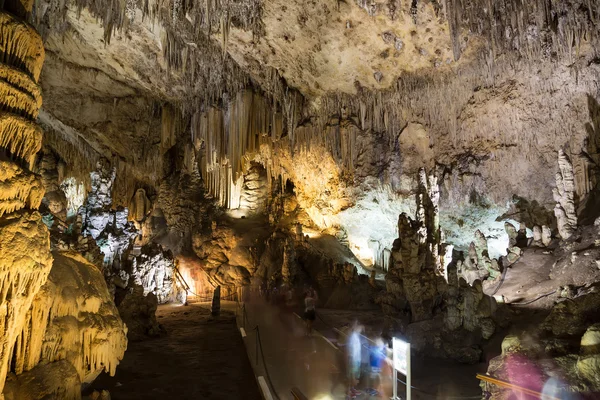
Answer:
(566, 345)
(140, 206)
(546, 236)
(413, 286)
(288, 268)
(564, 195)
(376, 122)
(154, 270)
(537, 236)
(24, 239)
(55, 199)
(477, 265)
(512, 233)
(75, 290)
(110, 228)
(226, 256)
(138, 311)
(253, 196)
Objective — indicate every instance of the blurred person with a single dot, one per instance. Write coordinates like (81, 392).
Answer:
(354, 355)
(309, 311)
(285, 303)
(377, 357)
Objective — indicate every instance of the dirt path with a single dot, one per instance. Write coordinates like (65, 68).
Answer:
(199, 358)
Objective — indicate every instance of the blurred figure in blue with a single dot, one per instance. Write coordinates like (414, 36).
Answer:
(354, 353)
(377, 356)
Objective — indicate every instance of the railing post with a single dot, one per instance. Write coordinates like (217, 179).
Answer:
(256, 346)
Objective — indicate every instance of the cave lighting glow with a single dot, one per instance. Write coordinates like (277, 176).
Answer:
(185, 267)
(374, 219)
(75, 193)
(323, 397)
(372, 224)
(460, 223)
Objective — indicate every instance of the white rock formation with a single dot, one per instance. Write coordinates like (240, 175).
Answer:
(154, 270)
(564, 195)
(110, 228)
(546, 235)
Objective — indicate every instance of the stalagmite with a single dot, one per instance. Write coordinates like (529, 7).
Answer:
(546, 235)
(140, 205)
(511, 231)
(564, 195)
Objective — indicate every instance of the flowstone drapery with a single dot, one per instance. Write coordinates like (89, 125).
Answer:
(25, 258)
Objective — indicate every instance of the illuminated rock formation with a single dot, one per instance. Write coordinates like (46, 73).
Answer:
(140, 206)
(75, 291)
(24, 240)
(110, 228)
(564, 195)
(564, 347)
(138, 311)
(55, 199)
(154, 270)
(226, 255)
(546, 235)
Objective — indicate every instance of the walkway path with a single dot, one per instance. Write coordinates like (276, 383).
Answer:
(199, 358)
(316, 365)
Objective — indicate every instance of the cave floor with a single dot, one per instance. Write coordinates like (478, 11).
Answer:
(200, 357)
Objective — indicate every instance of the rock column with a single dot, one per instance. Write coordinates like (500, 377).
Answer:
(25, 259)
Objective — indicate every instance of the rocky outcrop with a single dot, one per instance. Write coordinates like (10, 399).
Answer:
(110, 228)
(55, 199)
(154, 270)
(26, 262)
(427, 303)
(254, 192)
(54, 381)
(477, 265)
(564, 348)
(77, 290)
(138, 311)
(564, 195)
(229, 256)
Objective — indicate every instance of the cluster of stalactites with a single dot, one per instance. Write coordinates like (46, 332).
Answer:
(228, 139)
(533, 29)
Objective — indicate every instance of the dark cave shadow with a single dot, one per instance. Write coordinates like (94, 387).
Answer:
(590, 207)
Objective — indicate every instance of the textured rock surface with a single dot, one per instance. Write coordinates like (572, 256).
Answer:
(74, 318)
(567, 351)
(110, 228)
(26, 262)
(154, 270)
(24, 239)
(564, 195)
(138, 311)
(54, 381)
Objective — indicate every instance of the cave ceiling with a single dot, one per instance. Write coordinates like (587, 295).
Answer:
(457, 67)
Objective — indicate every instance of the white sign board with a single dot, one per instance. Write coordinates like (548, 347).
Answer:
(401, 355)
(401, 361)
